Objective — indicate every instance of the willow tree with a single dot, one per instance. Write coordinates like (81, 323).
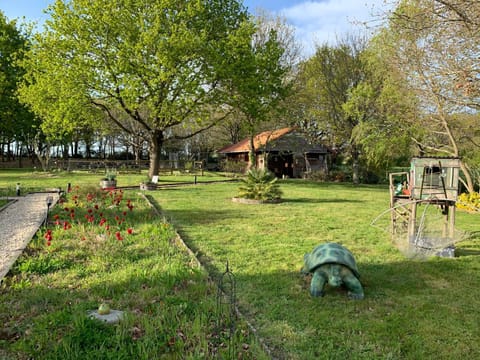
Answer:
(386, 111)
(158, 63)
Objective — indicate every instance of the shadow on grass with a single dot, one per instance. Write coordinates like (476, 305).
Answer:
(277, 302)
(467, 252)
(156, 304)
(401, 298)
(318, 201)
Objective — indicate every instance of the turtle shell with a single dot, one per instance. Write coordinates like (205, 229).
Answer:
(330, 253)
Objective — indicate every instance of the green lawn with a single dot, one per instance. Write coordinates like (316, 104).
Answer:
(31, 180)
(135, 265)
(412, 309)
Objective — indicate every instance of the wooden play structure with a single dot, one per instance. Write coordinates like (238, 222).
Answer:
(433, 183)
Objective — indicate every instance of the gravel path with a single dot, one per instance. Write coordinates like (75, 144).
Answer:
(19, 221)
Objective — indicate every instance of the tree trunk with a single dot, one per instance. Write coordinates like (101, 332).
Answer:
(252, 158)
(468, 178)
(137, 154)
(65, 151)
(9, 152)
(156, 143)
(112, 149)
(87, 149)
(355, 165)
(20, 155)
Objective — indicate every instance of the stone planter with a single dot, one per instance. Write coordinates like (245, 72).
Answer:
(108, 184)
(148, 186)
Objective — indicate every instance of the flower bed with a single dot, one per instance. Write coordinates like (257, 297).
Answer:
(94, 215)
(469, 202)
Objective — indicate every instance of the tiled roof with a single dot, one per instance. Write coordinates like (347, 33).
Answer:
(259, 141)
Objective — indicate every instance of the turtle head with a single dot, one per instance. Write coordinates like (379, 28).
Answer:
(335, 275)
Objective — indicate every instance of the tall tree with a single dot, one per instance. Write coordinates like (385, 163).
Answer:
(159, 61)
(263, 80)
(384, 108)
(16, 122)
(324, 84)
(436, 43)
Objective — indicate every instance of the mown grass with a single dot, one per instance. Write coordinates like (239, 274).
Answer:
(34, 180)
(170, 304)
(412, 309)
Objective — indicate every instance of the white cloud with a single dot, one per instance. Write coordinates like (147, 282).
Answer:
(319, 22)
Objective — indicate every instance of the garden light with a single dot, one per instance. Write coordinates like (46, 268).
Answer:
(49, 201)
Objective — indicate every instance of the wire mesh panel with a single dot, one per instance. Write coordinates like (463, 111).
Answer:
(431, 234)
(434, 234)
(226, 312)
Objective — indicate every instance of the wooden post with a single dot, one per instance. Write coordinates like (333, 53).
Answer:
(412, 223)
(446, 229)
(392, 205)
(451, 222)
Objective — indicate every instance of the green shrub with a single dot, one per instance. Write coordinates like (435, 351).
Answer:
(318, 175)
(260, 185)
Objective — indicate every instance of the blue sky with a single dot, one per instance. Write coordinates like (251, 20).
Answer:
(315, 21)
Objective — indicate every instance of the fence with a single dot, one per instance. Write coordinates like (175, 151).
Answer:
(127, 166)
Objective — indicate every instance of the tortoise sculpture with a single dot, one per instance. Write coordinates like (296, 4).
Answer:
(333, 264)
